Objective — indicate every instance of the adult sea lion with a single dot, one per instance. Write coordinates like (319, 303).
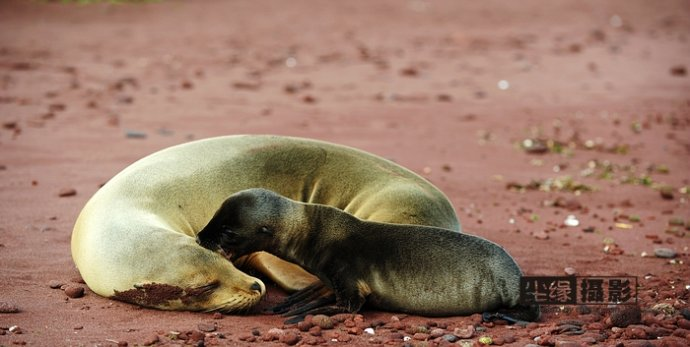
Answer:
(415, 269)
(135, 238)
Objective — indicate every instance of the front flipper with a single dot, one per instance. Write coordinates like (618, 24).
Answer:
(349, 298)
(304, 296)
(286, 275)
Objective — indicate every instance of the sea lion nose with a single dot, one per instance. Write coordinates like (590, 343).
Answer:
(256, 286)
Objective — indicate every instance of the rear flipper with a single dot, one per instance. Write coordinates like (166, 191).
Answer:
(514, 315)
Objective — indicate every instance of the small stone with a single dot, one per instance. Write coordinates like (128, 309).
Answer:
(369, 331)
(315, 331)
(55, 284)
(540, 235)
(309, 99)
(563, 343)
(196, 335)
(73, 291)
(571, 221)
(664, 253)
(450, 338)
(625, 315)
(153, 339)
(135, 134)
(678, 70)
(420, 336)
(8, 307)
(273, 334)
(570, 271)
(217, 315)
(66, 192)
(684, 324)
(304, 325)
(290, 338)
(322, 321)
(466, 333)
(207, 327)
(685, 313)
(436, 333)
(485, 340)
(666, 192)
(509, 338)
(246, 337)
(15, 330)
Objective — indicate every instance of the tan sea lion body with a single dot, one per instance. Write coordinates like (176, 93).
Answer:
(410, 268)
(135, 238)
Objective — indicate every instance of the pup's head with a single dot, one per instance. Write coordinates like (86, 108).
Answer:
(245, 223)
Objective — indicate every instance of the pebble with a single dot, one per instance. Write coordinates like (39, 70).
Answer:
(562, 343)
(315, 331)
(686, 313)
(304, 325)
(322, 321)
(135, 134)
(540, 235)
(673, 342)
(217, 315)
(73, 291)
(8, 307)
(571, 221)
(55, 284)
(436, 333)
(420, 336)
(313, 340)
(247, 337)
(466, 333)
(666, 192)
(485, 340)
(153, 339)
(570, 271)
(450, 337)
(638, 343)
(369, 331)
(273, 334)
(684, 324)
(290, 338)
(626, 315)
(664, 253)
(207, 327)
(680, 332)
(66, 192)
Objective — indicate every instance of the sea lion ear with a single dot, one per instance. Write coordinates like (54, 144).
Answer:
(266, 231)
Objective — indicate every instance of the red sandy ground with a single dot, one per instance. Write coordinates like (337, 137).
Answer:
(414, 81)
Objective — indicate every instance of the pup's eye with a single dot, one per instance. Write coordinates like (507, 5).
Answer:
(265, 230)
(226, 230)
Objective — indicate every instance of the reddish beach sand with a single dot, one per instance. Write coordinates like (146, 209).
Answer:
(456, 91)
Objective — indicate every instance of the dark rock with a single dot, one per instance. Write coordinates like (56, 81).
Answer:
(290, 338)
(625, 315)
(73, 291)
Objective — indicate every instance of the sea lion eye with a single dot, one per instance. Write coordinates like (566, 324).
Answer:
(265, 230)
(226, 230)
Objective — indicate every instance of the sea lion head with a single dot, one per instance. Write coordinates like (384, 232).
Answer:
(245, 223)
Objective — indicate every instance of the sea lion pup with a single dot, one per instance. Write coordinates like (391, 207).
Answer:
(134, 240)
(408, 268)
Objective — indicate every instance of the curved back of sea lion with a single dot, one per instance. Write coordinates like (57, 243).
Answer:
(139, 228)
